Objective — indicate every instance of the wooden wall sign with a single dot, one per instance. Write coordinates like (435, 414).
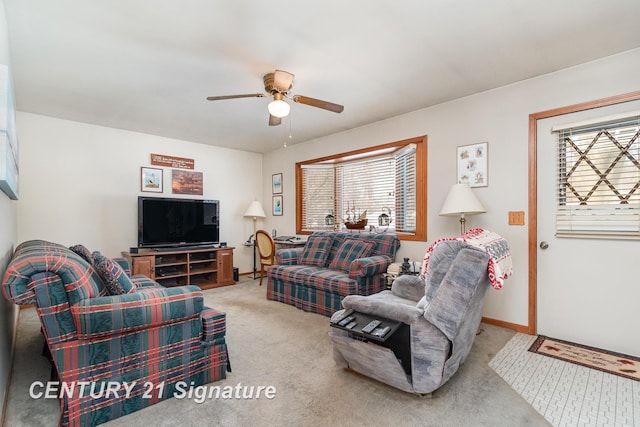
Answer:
(172, 161)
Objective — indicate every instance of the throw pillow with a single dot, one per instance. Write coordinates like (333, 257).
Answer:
(83, 252)
(315, 251)
(349, 251)
(113, 276)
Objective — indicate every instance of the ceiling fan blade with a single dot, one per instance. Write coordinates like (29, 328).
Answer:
(325, 105)
(249, 95)
(282, 80)
(274, 121)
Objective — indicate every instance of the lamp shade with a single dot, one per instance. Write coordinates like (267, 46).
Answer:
(255, 210)
(461, 200)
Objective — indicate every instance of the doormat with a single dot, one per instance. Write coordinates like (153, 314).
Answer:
(591, 357)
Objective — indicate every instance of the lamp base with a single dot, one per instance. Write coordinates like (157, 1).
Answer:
(463, 221)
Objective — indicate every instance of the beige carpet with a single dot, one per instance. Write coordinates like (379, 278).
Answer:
(273, 344)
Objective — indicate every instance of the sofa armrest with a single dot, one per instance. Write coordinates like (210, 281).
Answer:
(214, 324)
(110, 315)
(385, 304)
(369, 266)
(288, 256)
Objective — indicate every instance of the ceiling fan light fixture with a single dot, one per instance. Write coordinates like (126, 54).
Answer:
(279, 108)
(278, 85)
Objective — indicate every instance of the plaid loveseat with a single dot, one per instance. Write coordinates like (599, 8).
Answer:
(317, 277)
(141, 346)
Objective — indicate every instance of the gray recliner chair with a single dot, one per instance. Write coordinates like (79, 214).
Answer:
(440, 316)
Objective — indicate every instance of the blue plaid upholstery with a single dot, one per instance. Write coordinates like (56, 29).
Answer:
(316, 251)
(349, 251)
(151, 336)
(320, 289)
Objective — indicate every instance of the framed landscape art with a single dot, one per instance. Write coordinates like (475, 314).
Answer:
(186, 182)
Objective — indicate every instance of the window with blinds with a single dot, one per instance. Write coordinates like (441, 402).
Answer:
(366, 185)
(379, 182)
(599, 178)
(318, 188)
(405, 190)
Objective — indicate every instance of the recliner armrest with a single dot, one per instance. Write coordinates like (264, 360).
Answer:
(385, 304)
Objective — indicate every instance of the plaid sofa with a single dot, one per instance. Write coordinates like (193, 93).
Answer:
(315, 279)
(152, 339)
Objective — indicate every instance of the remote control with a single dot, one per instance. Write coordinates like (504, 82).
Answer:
(344, 314)
(351, 325)
(346, 321)
(381, 332)
(371, 326)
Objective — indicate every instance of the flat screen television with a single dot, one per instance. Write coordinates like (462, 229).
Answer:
(167, 222)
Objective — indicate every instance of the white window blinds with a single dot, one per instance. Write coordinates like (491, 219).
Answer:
(405, 183)
(366, 185)
(318, 188)
(598, 173)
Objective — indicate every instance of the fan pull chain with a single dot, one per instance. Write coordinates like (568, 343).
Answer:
(290, 137)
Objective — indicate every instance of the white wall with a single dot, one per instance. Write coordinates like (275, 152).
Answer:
(8, 226)
(79, 183)
(499, 117)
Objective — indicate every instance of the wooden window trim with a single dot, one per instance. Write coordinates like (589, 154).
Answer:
(421, 183)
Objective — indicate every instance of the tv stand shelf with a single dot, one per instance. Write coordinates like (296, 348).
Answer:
(206, 268)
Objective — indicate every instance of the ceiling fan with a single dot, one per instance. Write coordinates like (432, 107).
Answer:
(277, 85)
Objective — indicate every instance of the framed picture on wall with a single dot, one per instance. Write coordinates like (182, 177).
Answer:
(186, 182)
(473, 165)
(276, 183)
(277, 206)
(150, 180)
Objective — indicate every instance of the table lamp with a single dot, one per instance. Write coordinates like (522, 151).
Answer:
(461, 201)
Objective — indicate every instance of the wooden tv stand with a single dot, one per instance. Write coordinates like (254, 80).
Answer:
(206, 268)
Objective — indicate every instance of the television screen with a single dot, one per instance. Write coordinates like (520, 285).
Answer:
(177, 222)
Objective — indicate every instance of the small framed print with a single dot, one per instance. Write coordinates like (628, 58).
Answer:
(277, 205)
(276, 183)
(473, 165)
(150, 180)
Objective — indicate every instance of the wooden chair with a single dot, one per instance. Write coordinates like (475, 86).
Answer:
(266, 250)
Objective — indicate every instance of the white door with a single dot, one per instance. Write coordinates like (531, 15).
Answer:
(588, 289)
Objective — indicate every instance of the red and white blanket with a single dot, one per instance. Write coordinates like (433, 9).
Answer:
(500, 264)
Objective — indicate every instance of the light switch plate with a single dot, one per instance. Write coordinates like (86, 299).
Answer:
(516, 217)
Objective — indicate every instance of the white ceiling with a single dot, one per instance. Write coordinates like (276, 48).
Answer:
(148, 65)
